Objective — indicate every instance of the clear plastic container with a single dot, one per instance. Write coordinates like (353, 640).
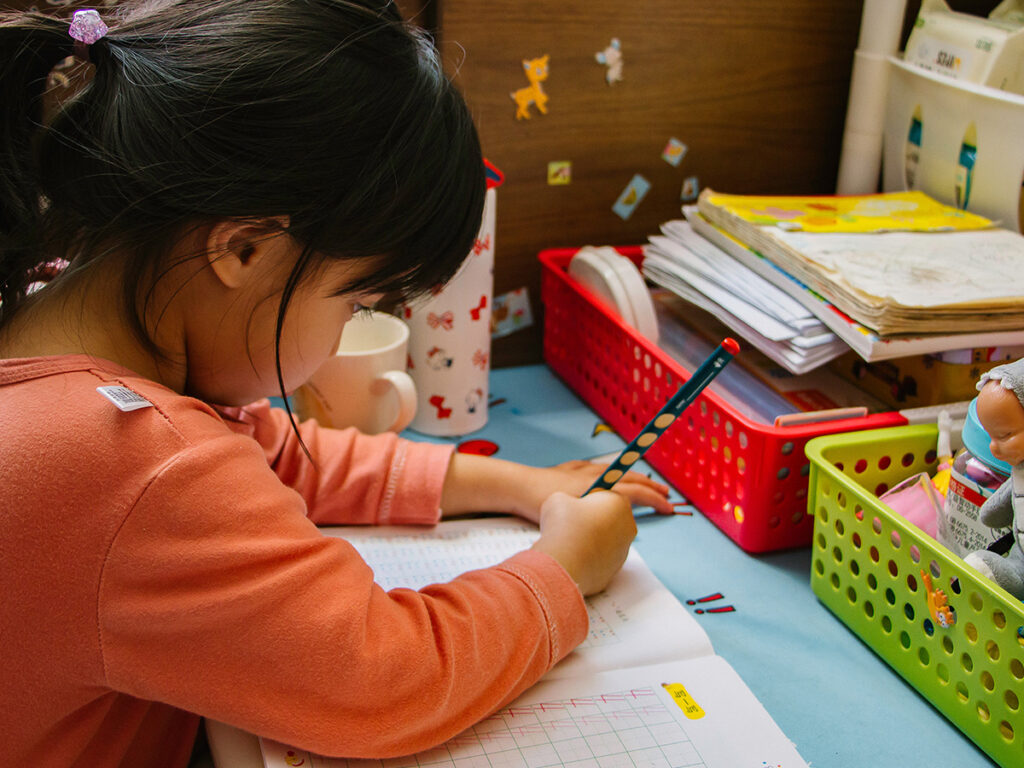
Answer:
(975, 475)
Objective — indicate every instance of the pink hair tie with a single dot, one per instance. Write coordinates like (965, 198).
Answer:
(86, 28)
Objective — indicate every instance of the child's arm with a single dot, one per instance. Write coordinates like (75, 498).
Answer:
(218, 596)
(356, 479)
(388, 480)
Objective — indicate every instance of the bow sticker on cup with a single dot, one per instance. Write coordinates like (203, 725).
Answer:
(441, 321)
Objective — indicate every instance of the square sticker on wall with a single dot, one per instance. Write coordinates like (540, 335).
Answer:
(559, 173)
(674, 152)
(631, 196)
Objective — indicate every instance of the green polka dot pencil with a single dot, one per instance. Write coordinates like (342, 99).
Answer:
(678, 403)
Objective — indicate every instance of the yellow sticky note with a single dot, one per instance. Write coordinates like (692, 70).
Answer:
(682, 698)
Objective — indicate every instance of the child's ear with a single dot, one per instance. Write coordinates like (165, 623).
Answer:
(235, 247)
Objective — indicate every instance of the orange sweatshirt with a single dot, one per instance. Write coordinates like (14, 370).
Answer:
(163, 563)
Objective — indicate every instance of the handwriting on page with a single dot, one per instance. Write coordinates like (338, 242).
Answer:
(916, 269)
(416, 560)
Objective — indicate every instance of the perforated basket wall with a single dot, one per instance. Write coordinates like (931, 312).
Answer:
(869, 566)
(749, 479)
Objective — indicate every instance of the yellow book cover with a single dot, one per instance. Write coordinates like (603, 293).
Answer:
(885, 212)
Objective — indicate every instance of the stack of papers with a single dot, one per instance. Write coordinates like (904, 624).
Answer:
(700, 272)
(869, 345)
(897, 263)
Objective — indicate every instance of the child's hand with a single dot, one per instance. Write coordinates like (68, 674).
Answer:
(575, 477)
(589, 537)
(486, 484)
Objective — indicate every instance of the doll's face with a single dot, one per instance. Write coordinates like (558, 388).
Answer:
(1002, 416)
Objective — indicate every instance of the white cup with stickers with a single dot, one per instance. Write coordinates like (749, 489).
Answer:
(365, 384)
(450, 343)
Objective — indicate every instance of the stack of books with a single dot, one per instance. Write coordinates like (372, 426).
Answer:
(891, 275)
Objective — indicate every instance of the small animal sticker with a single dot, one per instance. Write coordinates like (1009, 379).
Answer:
(511, 313)
(690, 190)
(438, 359)
(611, 57)
(559, 173)
(631, 197)
(474, 399)
(674, 152)
(536, 71)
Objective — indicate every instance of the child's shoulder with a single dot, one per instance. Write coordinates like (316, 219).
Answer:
(79, 399)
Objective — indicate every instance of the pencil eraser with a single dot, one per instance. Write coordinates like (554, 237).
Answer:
(730, 346)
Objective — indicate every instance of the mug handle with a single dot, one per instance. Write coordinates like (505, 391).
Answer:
(405, 389)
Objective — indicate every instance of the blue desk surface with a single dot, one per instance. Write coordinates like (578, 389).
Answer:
(834, 698)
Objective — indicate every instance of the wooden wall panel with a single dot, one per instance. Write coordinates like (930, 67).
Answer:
(756, 89)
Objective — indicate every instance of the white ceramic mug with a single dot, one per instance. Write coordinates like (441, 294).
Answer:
(364, 385)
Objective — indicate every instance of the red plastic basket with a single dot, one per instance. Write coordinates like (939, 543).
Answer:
(749, 479)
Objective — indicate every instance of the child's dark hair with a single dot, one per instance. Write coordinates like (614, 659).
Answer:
(333, 113)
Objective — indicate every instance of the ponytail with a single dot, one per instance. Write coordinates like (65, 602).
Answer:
(31, 45)
(334, 113)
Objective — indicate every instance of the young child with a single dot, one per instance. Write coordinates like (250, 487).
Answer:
(238, 178)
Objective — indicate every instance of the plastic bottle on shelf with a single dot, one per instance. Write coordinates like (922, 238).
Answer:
(975, 475)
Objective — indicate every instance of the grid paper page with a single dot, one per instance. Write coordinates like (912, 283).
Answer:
(605, 725)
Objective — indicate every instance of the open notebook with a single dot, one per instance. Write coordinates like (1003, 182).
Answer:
(644, 689)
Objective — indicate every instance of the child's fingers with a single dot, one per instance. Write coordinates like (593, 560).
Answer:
(645, 494)
(641, 479)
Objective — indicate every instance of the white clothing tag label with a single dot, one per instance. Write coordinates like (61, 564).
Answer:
(124, 398)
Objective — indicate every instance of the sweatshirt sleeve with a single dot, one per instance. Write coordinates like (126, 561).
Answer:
(220, 597)
(353, 479)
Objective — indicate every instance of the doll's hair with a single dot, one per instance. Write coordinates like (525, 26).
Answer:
(1009, 376)
(334, 113)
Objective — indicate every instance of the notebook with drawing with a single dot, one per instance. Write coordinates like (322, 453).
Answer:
(644, 688)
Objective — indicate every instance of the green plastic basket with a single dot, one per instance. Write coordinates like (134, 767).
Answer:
(872, 568)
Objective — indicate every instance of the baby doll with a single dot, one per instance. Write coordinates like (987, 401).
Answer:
(1001, 412)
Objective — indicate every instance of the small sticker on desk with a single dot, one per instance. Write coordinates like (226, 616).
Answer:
(124, 398)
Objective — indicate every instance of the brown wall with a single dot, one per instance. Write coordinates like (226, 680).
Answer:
(756, 88)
